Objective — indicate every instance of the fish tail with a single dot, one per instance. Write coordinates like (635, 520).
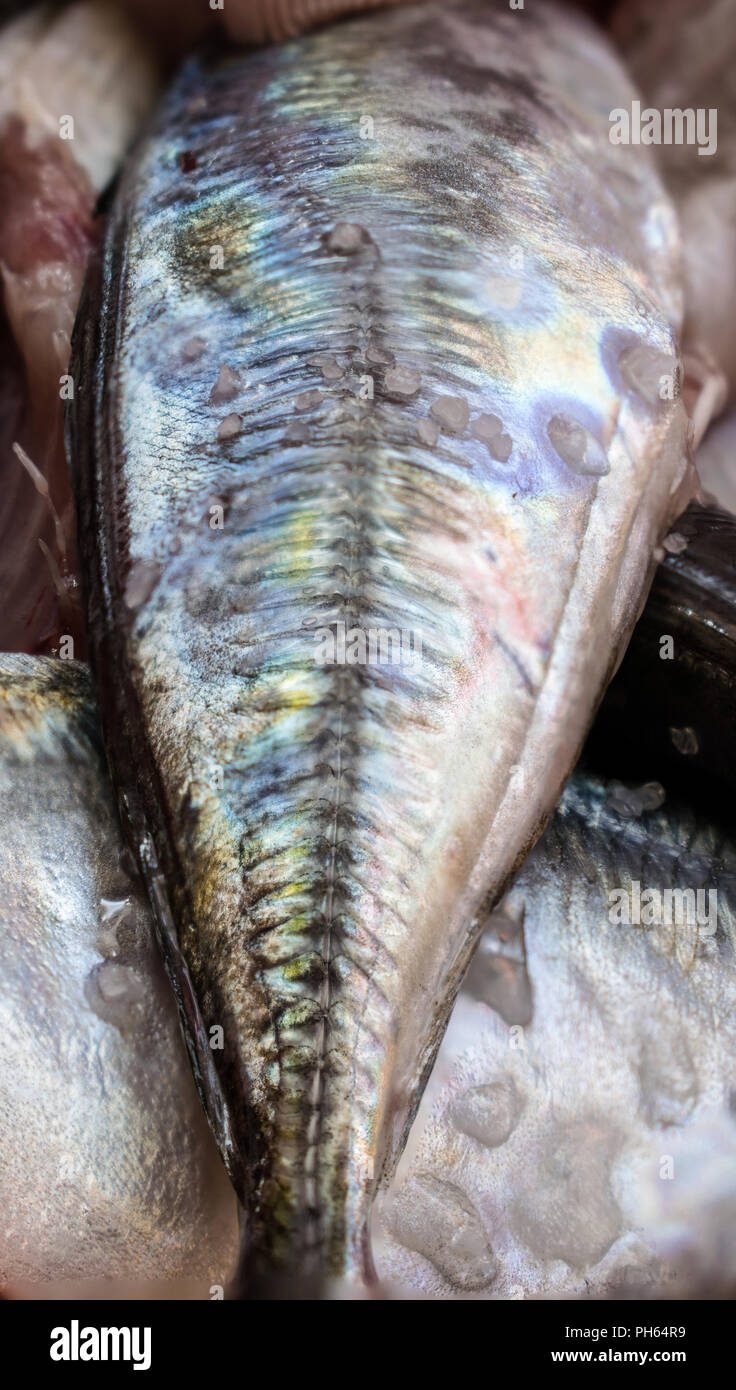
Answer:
(293, 1272)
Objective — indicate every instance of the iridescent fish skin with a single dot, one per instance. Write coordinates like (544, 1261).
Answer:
(428, 200)
(107, 1169)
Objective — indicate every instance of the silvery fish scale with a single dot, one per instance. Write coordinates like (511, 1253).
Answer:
(107, 1168)
(589, 1150)
(374, 348)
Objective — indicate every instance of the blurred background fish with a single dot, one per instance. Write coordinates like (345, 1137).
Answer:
(578, 1135)
(108, 1172)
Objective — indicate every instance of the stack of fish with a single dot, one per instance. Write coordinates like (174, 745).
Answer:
(381, 410)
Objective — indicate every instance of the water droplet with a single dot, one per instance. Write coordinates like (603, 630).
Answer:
(402, 381)
(346, 238)
(486, 427)
(115, 992)
(685, 741)
(329, 366)
(113, 913)
(569, 1212)
(117, 982)
(141, 583)
(229, 427)
(488, 1113)
(643, 367)
(428, 432)
(113, 910)
(451, 413)
(307, 400)
(577, 447)
(438, 1221)
(226, 387)
(500, 447)
(297, 433)
(193, 349)
(378, 357)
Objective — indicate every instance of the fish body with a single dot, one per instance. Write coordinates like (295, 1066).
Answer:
(107, 1168)
(577, 1139)
(371, 458)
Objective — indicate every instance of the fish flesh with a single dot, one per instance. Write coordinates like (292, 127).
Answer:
(108, 1171)
(310, 966)
(376, 428)
(578, 1136)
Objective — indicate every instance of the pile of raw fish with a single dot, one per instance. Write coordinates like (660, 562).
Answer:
(355, 389)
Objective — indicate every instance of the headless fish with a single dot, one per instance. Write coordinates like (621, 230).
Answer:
(377, 427)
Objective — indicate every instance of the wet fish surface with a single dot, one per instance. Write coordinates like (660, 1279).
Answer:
(371, 455)
(584, 1146)
(107, 1168)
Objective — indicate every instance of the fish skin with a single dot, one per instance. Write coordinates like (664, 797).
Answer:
(107, 1167)
(549, 1137)
(316, 839)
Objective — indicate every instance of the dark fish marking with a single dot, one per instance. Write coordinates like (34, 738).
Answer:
(516, 662)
